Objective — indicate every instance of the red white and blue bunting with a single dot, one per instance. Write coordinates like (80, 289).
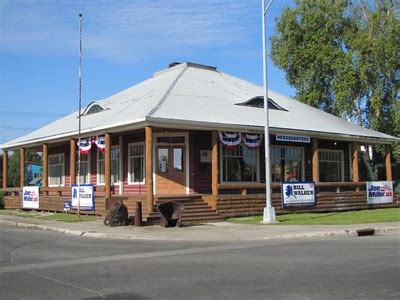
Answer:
(230, 139)
(234, 139)
(101, 143)
(86, 144)
(252, 141)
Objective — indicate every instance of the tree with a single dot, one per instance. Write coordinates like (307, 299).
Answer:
(14, 167)
(343, 57)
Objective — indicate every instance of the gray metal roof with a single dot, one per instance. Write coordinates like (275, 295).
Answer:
(193, 96)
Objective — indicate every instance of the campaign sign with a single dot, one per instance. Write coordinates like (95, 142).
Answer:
(30, 197)
(379, 192)
(86, 197)
(67, 205)
(297, 194)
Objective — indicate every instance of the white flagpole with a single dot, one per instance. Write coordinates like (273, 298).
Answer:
(269, 211)
(79, 116)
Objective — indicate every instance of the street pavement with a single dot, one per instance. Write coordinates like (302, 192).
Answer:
(220, 231)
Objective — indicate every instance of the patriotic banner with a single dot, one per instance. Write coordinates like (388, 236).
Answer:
(252, 141)
(230, 139)
(101, 143)
(85, 145)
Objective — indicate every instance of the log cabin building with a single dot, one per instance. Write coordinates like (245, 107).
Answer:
(194, 134)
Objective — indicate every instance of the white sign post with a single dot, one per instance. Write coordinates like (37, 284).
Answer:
(30, 197)
(379, 192)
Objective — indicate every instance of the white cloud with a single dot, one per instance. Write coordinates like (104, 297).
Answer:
(122, 30)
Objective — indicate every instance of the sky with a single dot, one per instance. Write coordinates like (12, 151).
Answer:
(124, 43)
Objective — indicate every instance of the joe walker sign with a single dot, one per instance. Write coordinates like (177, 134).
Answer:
(298, 194)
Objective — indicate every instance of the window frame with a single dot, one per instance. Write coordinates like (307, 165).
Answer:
(221, 165)
(303, 177)
(98, 163)
(89, 173)
(341, 163)
(63, 170)
(130, 182)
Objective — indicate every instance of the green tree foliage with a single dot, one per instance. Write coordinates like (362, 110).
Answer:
(343, 57)
(13, 166)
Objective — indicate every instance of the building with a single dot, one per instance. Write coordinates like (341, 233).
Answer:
(194, 133)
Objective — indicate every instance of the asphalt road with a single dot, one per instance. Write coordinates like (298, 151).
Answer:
(44, 265)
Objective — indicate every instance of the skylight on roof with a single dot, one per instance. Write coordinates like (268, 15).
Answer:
(258, 102)
(93, 108)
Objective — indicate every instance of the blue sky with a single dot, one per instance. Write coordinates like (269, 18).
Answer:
(124, 43)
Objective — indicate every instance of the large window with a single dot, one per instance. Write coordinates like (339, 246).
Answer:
(239, 164)
(85, 169)
(287, 164)
(331, 165)
(115, 166)
(56, 169)
(136, 165)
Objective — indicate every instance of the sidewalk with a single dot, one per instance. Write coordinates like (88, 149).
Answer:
(221, 231)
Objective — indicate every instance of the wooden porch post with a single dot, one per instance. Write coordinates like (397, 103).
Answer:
(45, 166)
(5, 169)
(149, 168)
(72, 160)
(22, 167)
(356, 173)
(315, 160)
(388, 161)
(107, 166)
(214, 165)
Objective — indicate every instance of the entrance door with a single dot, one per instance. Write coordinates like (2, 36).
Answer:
(170, 172)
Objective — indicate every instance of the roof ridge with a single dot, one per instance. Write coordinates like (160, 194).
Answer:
(166, 94)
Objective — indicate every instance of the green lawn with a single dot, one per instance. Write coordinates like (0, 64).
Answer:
(332, 218)
(62, 217)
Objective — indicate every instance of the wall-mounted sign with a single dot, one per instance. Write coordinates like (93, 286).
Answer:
(297, 194)
(30, 197)
(293, 138)
(379, 192)
(86, 197)
(205, 156)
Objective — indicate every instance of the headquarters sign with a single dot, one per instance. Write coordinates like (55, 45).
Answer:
(379, 192)
(297, 194)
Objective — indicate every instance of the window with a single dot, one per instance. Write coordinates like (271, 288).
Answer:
(136, 167)
(85, 169)
(331, 165)
(115, 166)
(239, 164)
(56, 169)
(93, 108)
(287, 164)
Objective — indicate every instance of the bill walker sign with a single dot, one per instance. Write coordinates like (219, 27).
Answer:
(297, 194)
(379, 192)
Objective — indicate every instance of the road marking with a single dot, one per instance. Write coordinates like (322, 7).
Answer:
(120, 257)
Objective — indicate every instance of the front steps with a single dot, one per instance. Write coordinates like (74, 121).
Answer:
(196, 210)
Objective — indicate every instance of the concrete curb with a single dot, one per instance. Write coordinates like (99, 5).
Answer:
(287, 236)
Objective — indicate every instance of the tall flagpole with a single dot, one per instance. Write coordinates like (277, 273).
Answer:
(269, 211)
(79, 116)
